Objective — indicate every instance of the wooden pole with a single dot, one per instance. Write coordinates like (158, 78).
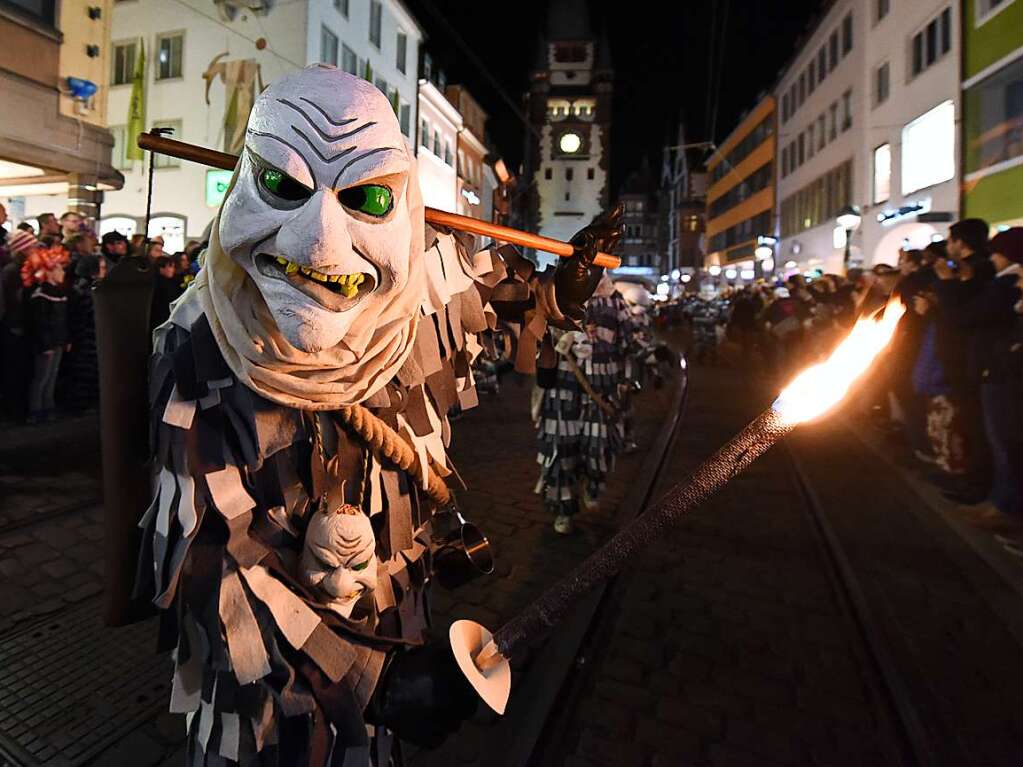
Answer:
(500, 233)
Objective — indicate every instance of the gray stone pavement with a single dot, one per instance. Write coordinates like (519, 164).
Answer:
(50, 524)
(729, 645)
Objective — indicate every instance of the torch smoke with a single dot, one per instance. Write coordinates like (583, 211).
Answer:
(820, 387)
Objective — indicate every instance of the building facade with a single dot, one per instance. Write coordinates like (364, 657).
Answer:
(682, 206)
(993, 111)
(205, 63)
(741, 193)
(439, 126)
(570, 123)
(471, 154)
(55, 153)
(911, 106)
(639, 243)
(822, 104)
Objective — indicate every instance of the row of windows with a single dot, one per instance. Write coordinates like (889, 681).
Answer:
(818, 134)
(569, 174)
(818, 201)
(330, 44)
(820, 66)
(353, 65)
(932, 42)
(432, 143)
(742, 232)
(743, 149)
(170, 49)
(559, 108)
(761, 178)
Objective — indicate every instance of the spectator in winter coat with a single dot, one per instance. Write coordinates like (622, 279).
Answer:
(46, 325)
(942, 413)
(994, 323)
(114, 247)
(962, 282)
(14, 345)
(70, 224)
(166, 290)
(49, 229)
(81, 365)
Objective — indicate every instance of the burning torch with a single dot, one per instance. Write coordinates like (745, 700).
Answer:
(483, 657)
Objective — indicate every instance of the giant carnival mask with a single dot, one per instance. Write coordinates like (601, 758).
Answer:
(324, 218)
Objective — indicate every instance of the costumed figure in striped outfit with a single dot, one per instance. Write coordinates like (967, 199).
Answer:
(299, 392)
(603, 429)
(559, 426)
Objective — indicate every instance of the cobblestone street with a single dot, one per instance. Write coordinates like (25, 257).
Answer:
(55, 563)
(732, 642)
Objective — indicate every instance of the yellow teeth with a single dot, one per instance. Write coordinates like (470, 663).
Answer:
(348, 283)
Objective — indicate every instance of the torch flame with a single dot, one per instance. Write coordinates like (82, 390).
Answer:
(822, 386)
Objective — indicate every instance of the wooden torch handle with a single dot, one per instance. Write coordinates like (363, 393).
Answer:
(224, 161)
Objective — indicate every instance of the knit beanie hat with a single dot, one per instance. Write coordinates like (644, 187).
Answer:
(1009, 243)
(20, 241)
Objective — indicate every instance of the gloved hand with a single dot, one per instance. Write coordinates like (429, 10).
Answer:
(423, 697)
(576, 278)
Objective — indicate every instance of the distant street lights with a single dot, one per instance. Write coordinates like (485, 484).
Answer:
(764, 253)
(848, 219)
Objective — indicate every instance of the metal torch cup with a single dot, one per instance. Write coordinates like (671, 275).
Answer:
(462, 554)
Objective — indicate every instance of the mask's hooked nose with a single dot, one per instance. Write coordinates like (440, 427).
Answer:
(318, 235)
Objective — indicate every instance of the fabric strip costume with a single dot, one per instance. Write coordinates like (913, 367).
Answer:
(292, 560)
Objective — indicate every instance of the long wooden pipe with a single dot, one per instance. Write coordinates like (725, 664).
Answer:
(224, 161)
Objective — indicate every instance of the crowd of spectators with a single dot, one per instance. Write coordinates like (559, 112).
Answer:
(47, 325)
(950, 387)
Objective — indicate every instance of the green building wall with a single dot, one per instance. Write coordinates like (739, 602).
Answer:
(996, 198)
(992, 41)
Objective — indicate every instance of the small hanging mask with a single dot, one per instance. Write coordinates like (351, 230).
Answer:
(339, 557)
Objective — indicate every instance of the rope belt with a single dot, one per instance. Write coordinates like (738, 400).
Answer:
(387, 444)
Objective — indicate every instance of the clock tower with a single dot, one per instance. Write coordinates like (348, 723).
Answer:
(570, 123)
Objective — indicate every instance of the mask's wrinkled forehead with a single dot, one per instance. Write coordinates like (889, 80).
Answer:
(326, 129)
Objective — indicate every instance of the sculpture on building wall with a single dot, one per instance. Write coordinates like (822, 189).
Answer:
(241, 78)
(299, 400)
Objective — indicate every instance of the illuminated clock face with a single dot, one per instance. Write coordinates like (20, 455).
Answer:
(570, 143)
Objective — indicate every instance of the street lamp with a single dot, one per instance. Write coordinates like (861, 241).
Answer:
(764, 253)
(849, 219)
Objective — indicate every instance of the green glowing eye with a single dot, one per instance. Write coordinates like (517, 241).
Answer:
(372, 199)
(282, 185)
(361, 566)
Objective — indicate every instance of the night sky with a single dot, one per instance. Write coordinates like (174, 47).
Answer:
(661, 57)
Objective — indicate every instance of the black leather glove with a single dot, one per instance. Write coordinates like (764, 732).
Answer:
(423, 697)
(576, 278)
